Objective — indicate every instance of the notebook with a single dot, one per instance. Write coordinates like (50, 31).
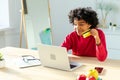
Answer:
(56, 57)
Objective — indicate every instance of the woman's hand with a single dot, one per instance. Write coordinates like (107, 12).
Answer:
(95, 34)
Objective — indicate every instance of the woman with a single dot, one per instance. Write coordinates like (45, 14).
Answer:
(86, 39)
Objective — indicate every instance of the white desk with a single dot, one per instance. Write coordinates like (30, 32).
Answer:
(11, 72)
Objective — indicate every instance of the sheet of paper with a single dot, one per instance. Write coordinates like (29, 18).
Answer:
(22, 64)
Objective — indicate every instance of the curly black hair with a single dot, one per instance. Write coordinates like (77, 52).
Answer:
(86, 14)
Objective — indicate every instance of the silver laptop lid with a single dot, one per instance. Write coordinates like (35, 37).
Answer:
(54, 56)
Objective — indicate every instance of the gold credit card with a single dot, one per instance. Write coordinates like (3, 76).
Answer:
(86, 33)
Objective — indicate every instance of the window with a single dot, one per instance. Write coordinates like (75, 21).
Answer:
(4, 14)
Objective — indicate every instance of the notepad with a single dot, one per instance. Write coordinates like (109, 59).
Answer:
(22, 63)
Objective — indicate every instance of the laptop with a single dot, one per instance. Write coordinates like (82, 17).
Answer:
(56, 57)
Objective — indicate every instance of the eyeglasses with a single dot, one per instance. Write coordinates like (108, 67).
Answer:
(28, 58)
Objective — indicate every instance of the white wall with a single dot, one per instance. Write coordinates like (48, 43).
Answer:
(112, 41)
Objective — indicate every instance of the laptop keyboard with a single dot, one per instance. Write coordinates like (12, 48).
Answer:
(72, 66)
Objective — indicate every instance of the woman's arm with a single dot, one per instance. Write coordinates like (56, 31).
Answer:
(101, 51)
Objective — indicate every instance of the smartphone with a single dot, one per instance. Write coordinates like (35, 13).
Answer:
(99, 69)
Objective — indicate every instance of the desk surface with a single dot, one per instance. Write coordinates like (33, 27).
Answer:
(11, 72)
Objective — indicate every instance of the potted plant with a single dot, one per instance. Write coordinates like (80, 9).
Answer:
(114, 26)
(2, 61)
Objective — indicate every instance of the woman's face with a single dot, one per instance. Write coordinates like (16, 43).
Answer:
(80, 26)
